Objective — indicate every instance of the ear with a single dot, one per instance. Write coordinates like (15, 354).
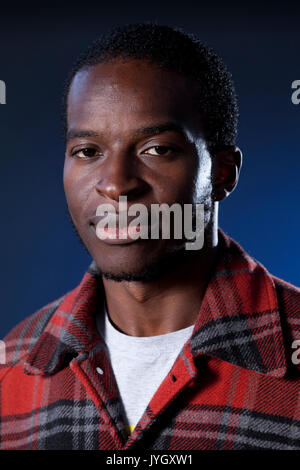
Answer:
(226, 169)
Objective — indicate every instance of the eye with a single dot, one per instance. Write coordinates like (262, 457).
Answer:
(159, 150)
(85, 153)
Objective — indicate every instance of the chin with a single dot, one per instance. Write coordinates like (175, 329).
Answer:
(141, 276)
(130, 272)
(146, 270)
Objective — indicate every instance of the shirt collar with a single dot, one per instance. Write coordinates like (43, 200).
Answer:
(238, 321)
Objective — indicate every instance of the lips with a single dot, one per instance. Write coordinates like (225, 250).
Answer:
(115, 219)
(114, 231)
(118, 227)
(119, 236)
(118, 233)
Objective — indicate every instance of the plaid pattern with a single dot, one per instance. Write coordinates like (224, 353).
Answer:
(233, 386)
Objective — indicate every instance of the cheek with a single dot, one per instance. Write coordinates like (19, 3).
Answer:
(178, 183)
(76, 190)
(203, 180)
(70, 181)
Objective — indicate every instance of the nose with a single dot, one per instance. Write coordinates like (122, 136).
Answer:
(119, 176)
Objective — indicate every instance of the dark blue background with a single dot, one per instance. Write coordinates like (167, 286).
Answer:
(41, 257)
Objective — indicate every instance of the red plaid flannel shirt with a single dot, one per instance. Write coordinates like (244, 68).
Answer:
(233, 386)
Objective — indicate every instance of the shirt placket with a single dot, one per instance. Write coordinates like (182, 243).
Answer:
(93, 370)
(181, 376)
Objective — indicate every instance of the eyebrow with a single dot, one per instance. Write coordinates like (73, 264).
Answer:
(77, 133)
(149, 130)
(159, 128)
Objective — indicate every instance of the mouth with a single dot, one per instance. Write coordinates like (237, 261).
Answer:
(119, 236)
(116, 232)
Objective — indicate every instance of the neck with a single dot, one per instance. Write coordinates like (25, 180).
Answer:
(165, 305)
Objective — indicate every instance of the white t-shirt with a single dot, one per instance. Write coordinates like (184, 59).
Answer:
(139, 364)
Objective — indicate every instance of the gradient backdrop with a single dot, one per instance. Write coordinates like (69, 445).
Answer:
(41, 258)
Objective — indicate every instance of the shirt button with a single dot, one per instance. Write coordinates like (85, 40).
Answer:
(99, 370)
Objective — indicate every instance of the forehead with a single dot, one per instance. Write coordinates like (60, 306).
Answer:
(131, 89)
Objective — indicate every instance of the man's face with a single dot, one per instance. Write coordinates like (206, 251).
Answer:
(133, 130)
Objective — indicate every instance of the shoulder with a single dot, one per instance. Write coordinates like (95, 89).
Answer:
(288, 297)
(20, 340)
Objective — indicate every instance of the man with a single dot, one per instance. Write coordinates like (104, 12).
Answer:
(159, 347)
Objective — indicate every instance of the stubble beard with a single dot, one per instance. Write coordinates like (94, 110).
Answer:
(171, 259)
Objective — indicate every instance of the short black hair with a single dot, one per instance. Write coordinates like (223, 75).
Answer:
(176, 50)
